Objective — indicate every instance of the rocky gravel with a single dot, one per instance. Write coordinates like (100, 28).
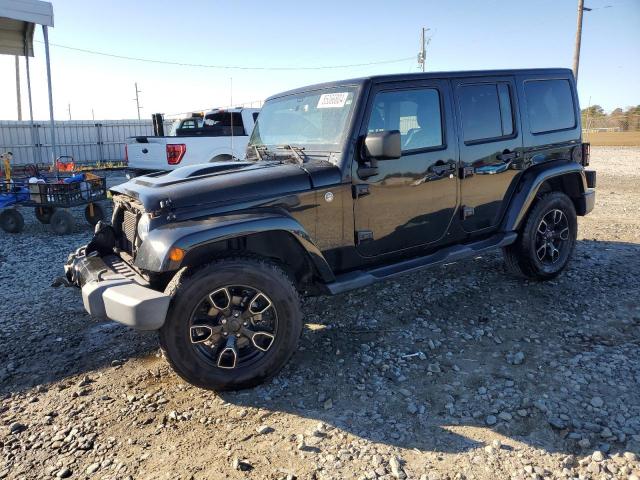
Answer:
(461, 372)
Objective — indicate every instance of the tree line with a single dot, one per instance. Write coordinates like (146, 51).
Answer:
(623, 120)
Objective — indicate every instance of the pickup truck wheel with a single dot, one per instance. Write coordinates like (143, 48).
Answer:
(232, 324)
(545, 245)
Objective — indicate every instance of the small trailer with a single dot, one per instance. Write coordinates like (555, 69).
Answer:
(51, 195)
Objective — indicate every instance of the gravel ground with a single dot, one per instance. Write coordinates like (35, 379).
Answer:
(461, 372)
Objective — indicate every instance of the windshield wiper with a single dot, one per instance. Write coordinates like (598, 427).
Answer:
(298, 152)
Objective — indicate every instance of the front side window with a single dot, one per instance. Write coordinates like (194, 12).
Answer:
(415, 113)
(549, 105)
(316, 120)
(486, 111)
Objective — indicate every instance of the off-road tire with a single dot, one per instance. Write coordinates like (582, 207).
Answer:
(11, 221)
(521, 258)
(43, 214)
(62, 222)
(188, 288)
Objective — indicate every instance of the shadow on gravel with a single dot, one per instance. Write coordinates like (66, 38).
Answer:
(573, 390)
(412, 361)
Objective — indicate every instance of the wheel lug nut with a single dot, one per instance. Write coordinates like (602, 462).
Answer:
(224, 320)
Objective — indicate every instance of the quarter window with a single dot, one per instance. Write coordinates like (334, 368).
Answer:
(486, 111)
(549, 105)
(415, 113)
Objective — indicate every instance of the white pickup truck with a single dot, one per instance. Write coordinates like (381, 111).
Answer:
(221, 136)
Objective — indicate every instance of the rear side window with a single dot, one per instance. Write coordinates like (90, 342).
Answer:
(486, 111)
(549, 105)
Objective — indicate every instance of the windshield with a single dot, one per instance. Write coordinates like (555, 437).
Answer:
(314, 120)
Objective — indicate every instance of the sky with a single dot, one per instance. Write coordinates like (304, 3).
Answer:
(465, 35)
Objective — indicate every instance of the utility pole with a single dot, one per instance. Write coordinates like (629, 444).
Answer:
(18, 88)
(69, 110)
(422, 55)
(576, 52)
(137, 99)
(231, 106)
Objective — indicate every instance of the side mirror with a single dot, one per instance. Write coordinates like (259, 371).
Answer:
(383, 145)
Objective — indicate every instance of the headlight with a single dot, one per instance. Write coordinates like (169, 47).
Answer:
(143, 227)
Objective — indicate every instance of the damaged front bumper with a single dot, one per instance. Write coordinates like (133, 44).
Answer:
(112, 289)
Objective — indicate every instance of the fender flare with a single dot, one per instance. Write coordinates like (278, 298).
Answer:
(153, 254)
(528, 187)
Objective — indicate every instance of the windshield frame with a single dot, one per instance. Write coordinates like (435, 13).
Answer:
(310, 149)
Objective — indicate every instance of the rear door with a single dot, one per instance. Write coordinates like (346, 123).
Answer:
(490, 144)
(410, 201)
(551, 116)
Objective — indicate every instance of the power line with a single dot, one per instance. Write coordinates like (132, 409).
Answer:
(228, 67)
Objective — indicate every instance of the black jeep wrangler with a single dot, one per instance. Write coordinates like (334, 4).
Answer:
(345, 184)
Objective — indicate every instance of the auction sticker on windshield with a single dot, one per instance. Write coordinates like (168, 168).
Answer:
(333, 100)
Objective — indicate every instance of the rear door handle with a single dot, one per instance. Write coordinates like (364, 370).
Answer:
(507, 156)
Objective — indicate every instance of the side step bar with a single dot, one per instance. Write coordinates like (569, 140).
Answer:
(363, 278)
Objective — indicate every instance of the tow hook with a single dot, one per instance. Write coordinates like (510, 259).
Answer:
(68, 280)
(61, 281)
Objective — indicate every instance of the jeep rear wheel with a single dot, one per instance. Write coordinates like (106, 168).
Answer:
(545, 245)
(232, 324)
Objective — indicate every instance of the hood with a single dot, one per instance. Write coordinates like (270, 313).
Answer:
(217, 183)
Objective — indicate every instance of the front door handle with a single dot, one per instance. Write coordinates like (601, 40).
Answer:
(440, 170)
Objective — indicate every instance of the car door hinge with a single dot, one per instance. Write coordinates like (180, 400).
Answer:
(363, 236)
(467, 212)
(466, 172)
(360, 190)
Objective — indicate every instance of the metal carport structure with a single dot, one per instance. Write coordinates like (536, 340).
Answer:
(18, 19)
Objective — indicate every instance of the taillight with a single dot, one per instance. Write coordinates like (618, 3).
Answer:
(586, 153)
(126, 154)
(175, 152)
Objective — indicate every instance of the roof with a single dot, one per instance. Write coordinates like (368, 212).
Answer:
(397, 77)
(18, 19)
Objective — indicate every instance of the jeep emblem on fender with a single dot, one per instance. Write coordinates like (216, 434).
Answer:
(328, 197)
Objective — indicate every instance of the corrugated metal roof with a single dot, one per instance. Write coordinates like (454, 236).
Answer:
(17, 22)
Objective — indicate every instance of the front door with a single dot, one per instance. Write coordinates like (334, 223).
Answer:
(490, 148)
(410, 201)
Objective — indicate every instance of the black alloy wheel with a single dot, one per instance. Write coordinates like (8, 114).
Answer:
(552, 237)
(545, 244)
(232, 323)
(233, 327)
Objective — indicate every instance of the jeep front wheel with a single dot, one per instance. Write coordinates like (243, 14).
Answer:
(232, 324)
(545, 245)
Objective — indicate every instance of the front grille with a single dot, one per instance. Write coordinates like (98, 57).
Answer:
(129, 224)
(127, 212)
